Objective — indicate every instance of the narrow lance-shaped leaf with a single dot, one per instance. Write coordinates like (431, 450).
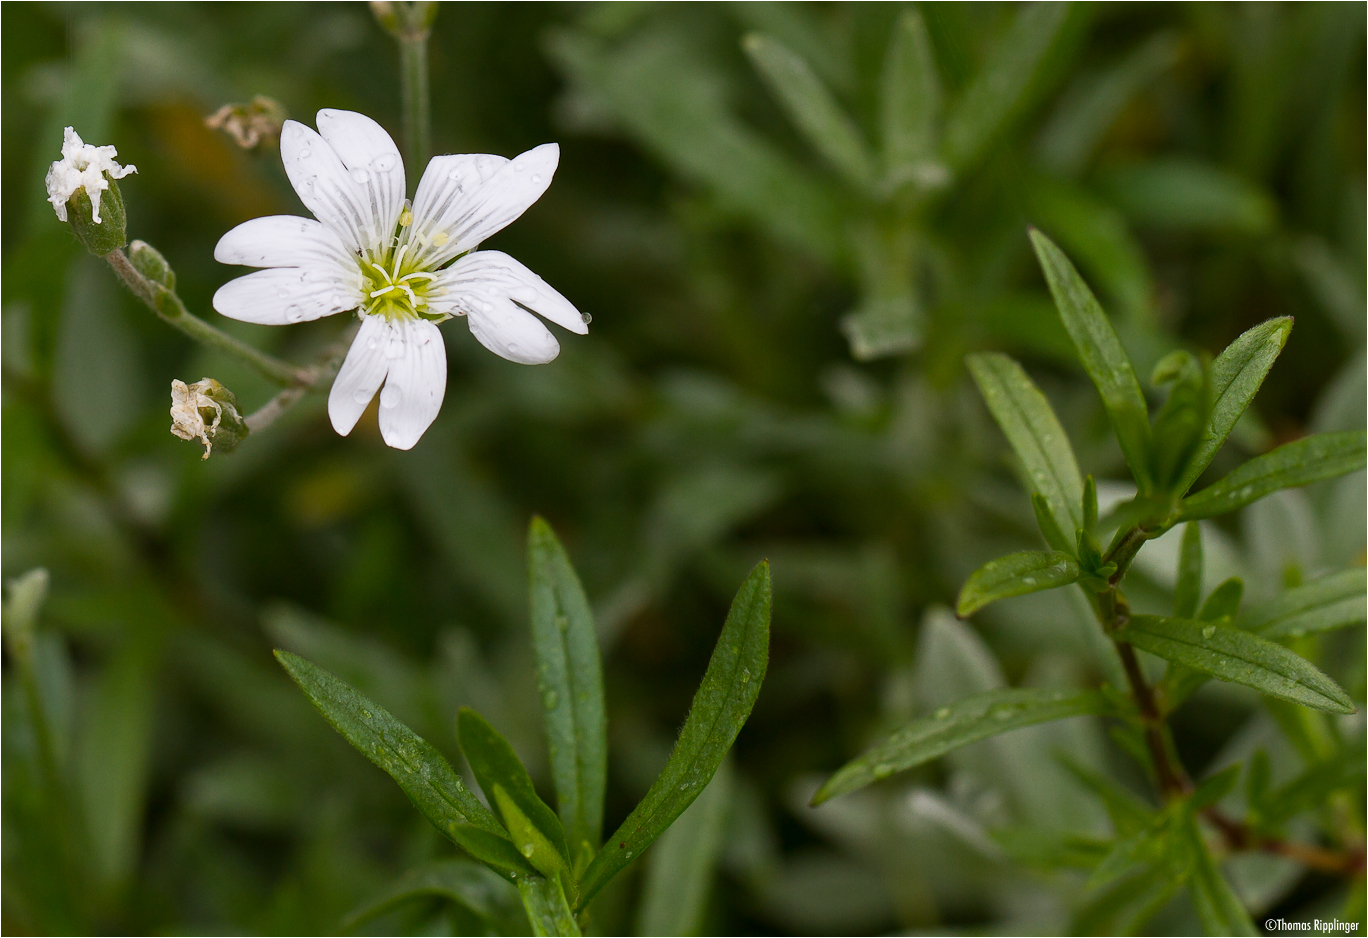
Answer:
(909, 100)
(963, 722)
(1102, 356)
(1237, 656)
(1301, 462)
(1220, 910)
(1030, 425)
(1028, 571)
(546, 907)
(1188, 591)
(1330, 602)
(570, 679)
(1236, 375)
(1224, 601)
(419, 769)
(534, 828)
(720, 708)
(811, 107)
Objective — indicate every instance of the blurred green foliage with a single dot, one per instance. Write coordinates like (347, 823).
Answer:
(783, 292)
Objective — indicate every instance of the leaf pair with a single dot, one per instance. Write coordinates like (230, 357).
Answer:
(554, 859)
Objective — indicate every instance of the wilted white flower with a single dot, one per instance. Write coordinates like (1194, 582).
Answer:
(403, 268)
(82, 166)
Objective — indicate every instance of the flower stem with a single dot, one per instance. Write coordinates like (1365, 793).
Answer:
(167, 305)
(413, 67)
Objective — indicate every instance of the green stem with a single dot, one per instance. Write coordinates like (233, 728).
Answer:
(413, 69)
(167, 305)
(322, 370)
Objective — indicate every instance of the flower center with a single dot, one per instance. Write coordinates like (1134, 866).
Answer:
(395, 290)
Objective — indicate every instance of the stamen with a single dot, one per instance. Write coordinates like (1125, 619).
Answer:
(385, 290)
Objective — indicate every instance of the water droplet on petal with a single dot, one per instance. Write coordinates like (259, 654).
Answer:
(586, 318)
(454, 174)
(512, 346)
(305, 153)
(536, 179)
(519, 166)
(389, 398)
(360, 175)
(293, 313)
(395, 349)
(362, 396)
(383, 163)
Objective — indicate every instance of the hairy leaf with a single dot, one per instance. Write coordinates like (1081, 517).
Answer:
(1236, 375)
(1330, 602)
(570, 679)
(1102, 356)
(547, 911)
(534, 827)
(1028, 571)
(964, 722)
(471, 885)
(1323, 456)
(419, 769)
(1030, 425)
(1237, 656)
(720, 708)
(683, 861)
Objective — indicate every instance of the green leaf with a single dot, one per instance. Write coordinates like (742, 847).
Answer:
(462, 881)
(1028, 571)
(720, 708)
(1220, 910)
(1323, 456)
(1102, 356)
(1236, 375)
(964, 722)
(811, 107)
(1188, 591)
(1000, 91)
(1213, 789)
(1180, 423)
(1129, 815)
(1030, 425)
(418, 768)
(909, 101)
(1224, 601)
(1309, 791)
(1049, 528)
(570, 679)
(533, 827)
(682, 863)
(547, 911)
(1237, 656)
(1180, 194)
(1330, 602)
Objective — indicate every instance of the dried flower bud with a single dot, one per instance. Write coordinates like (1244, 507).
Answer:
(149, 262)
(250, 125)
(208, 412)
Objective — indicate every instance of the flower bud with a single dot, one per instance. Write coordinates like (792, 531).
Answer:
(149, 262)
(208, 412)
(82, 191)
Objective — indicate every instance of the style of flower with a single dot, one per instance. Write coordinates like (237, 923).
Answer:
(82, 166)
(403, 268)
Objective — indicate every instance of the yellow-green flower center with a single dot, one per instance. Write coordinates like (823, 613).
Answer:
(395, 290)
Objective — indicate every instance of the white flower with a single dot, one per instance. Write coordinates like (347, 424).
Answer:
(82, 166)
(403, 268)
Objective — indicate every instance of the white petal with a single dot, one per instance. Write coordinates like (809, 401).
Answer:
(494, 278)
(464, 199)
(327, 189)
(372, 161)
(360, 375)
(286, 294)
(514, 334)
(415, 385)
(286, 241)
